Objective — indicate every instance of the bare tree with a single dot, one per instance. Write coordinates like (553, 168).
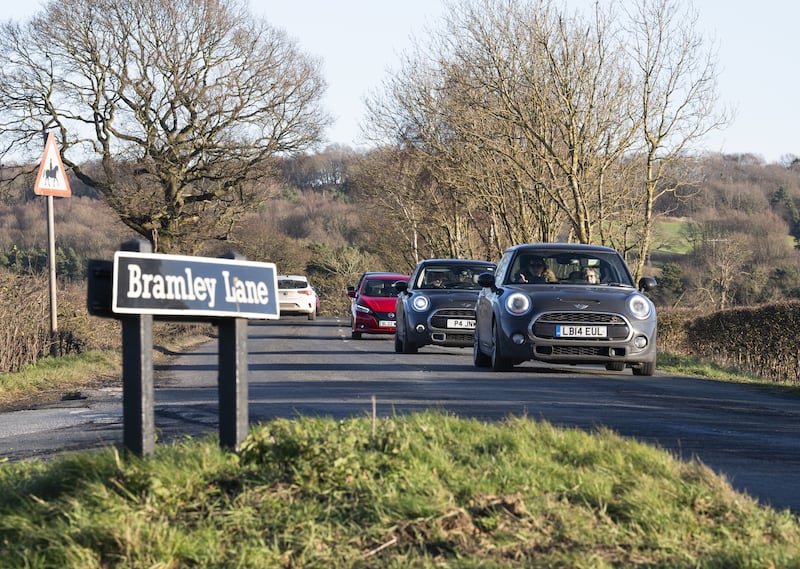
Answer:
(171, 109)
(677, 84)
(585, 118)
(522, 107)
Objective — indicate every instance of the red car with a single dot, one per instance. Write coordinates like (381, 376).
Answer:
(374, 299)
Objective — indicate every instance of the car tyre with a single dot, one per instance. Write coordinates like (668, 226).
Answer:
(499, 362)
(645, 368)
(402, 345)
(615, 366)
(478, 357)
(409, 347)
(355, 335)
(312, 315)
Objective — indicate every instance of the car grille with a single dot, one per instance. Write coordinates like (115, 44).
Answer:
(617, 327)
(580, 317)
(577, 351)
(453, 339)
(440, 317)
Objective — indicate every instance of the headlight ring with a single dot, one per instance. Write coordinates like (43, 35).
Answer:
(518, 303)
(639, 306)
(420, 302)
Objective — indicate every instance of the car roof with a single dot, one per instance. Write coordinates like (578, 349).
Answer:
(455, 262)
(378, 275)
(293, 277)
(565, 247)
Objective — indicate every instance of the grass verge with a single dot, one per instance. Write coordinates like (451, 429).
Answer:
(53, 378)
(422, 490)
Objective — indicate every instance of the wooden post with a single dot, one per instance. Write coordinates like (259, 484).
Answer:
(137, 374)
(232, 382)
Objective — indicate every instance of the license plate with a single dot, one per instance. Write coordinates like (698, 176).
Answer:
(581, 331)
(463, 324)
(387, 323)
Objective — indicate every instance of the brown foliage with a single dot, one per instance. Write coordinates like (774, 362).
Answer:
(25, 313)
(753, 339)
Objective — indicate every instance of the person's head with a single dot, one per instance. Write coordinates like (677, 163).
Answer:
(436, 279)
(536, 266)
(590, 275)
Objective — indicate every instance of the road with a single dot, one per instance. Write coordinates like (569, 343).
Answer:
(749, 433)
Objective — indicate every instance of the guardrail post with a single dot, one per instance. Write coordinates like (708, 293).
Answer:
(138, 426)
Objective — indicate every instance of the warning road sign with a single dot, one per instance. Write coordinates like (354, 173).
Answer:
(52, 177)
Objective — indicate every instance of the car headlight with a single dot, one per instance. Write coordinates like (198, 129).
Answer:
(363, 309)
(639, 306)
(420, 303)
(518, 303)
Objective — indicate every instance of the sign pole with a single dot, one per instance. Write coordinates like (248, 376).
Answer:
(51, 259)
(138, 420)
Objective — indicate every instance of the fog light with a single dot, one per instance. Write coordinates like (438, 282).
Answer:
(640, 342)
(420, 328)
(518, 338)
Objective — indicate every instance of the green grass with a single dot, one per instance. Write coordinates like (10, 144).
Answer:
(62, 374)
(423, 490)
(668, 237)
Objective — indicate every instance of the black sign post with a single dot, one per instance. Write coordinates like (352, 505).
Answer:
(138, 422)
(224, 291)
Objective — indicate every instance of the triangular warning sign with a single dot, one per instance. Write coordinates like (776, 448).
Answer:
(52, 177)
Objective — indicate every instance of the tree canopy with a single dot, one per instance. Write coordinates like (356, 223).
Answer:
(556, 125)
(173, 110)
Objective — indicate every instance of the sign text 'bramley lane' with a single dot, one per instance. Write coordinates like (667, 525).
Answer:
(151, 283)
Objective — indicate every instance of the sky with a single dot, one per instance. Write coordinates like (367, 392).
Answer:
(360, 41)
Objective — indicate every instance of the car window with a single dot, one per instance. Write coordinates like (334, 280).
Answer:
(292, 284)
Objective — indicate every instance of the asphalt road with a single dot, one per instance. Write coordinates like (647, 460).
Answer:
(748, 433)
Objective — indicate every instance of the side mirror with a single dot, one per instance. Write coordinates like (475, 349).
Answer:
(351, 291)
(647, 283)
(401, 286)
(486, 280)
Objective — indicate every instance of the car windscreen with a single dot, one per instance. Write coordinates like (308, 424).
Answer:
(542, 266)
(451, 276)
(379, 287)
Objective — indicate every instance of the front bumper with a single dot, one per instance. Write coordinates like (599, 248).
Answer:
(443, 327)
(624, 340)
(377, 323)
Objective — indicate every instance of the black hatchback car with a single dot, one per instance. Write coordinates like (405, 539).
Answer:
(437, 305)
(566, 304)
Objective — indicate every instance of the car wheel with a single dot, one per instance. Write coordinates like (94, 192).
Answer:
(615, 366)
(312, 315)
(402, 345)
(645, 368)
(355, 335)
(498, 361)
(409, 347)
(478, 357)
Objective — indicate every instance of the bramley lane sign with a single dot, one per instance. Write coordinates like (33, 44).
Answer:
(175, 285)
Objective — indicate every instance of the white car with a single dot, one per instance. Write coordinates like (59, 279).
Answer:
(297, 296)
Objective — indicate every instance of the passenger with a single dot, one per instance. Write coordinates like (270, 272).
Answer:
(536, 271)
